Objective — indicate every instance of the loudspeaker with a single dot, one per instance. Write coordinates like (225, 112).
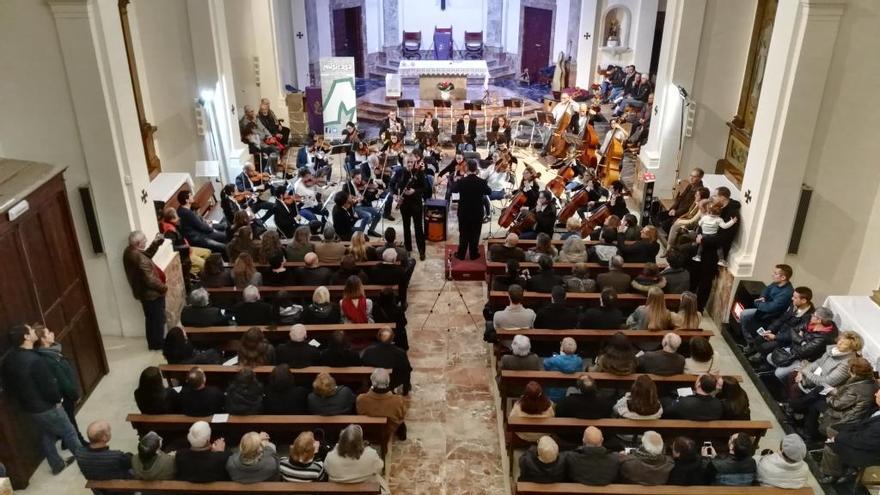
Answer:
(800, 218)
(85, 195)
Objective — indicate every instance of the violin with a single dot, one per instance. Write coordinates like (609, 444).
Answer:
(240, 197)
(320, 145)
(257, 177)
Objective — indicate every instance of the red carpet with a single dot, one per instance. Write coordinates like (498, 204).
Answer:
(465, 269)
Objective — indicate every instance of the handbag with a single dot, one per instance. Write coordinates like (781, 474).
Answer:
(782, 356)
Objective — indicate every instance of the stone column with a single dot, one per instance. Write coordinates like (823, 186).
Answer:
(391, 25)
(300, 42)
(804, 35)
(677, 65)
(90, 34)
(268, 43)
(494, 23)
(586, 47)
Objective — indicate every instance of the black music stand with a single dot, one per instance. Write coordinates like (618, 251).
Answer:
(512, 103)
(444, 104)
(542, 118)
(403, 105)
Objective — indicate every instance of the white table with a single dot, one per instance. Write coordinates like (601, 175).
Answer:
(166, 184)
(862, 315)
(461, 68)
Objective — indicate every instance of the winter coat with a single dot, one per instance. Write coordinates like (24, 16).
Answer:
(834, 370)
(61, 369)
(244, 397)
(645, 469)
(850, 403)
(265, 468)
(786, 325)
(533, 469)
(592, 465)
(774, 470)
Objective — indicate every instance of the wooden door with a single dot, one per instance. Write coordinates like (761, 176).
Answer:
(537, 27)
(348, 37)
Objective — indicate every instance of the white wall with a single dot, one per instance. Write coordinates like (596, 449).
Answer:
(839, 247)
(242, 49)
(639, 36)
(373, 13)
(160, 32)
(424, 15)
(511, 28)
(721, 63)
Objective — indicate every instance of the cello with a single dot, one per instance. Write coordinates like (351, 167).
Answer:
(558, 183)
(510, 213)
(578, 201)
(596, 219)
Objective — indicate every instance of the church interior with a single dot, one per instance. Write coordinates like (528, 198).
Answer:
(474, 247)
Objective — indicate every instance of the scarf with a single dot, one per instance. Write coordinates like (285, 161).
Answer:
(355, 314)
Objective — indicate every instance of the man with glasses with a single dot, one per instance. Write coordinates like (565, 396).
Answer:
(682, 202)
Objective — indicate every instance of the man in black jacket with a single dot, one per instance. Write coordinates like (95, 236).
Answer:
(410, 191)
(312, 273)
(588, 402)
(284, 212)
(780, 332)
(471, 190)
(665, 361)
(203, 461)
(199, 399)
(197, 231)
(592, 464)
(384, 354)
(557, 315)
(467, 127)
(97, 462)
(851, 445)
(546, 278)
(251, 310)
(30, 383)
(701, 406)
(297, 353)
(200, 313)
(507, 251)
(607, 316)
(390, 272)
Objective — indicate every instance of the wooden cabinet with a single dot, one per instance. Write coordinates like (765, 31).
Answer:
(42, 279)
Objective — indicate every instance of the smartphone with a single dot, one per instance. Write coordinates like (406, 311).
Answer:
(627, 450)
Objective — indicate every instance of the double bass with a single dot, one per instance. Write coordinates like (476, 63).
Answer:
(589, 146)
(558, 144)
(613, 157)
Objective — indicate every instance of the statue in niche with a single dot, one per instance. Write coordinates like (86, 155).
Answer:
(613, 32)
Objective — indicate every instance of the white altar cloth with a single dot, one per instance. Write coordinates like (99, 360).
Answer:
(862, 315)
(466, 68)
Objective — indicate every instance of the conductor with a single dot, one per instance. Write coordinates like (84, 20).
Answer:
(471, 190)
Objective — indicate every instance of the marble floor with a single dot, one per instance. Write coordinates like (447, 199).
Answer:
(455, 441)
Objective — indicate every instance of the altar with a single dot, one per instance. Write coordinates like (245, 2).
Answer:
(432, 72)
(862, 315)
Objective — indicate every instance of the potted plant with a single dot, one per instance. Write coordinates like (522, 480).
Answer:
(445, 88)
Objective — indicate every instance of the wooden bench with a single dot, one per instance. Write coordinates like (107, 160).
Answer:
(523, 488)
(366, 265)
(499, 299)
(499, 268)
(530, 243)
(227, 338)
(354, 376)
(273, 487)
(282, 428)
(203, 199)
(226, 297)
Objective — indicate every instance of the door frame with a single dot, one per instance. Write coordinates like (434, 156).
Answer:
(537, 4)
(347, 4)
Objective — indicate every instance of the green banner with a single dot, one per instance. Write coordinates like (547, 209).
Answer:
(338, 92)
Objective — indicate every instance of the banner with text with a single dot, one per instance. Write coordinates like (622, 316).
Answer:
(338, 91)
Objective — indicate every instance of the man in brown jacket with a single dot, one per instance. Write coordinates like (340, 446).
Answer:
(380, 402)
(683, 200)
(147, 284)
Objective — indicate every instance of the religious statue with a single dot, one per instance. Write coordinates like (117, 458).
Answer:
(613, 38)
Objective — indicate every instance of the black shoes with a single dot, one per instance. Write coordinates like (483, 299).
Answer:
(67, 462)
(422, 256)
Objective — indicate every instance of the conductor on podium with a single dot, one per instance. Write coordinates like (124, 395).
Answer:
(471, 190)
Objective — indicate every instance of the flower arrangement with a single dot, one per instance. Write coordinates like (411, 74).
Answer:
(579, 94)
(445, 86)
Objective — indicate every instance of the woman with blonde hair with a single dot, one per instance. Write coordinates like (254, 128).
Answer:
(688, 316)
(301, 465)
(329, 399)
(255, 461)
(543, 246)
(321, 310)
(354, 306)
(360, 249)
(572, 227)
(652, 315)
(352, 461)
(573, 250)
(244, 272)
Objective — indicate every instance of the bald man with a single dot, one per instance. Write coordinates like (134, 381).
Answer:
(97, 461)
(591, 463)
(297, 353)
(312, 273)
(507, 251)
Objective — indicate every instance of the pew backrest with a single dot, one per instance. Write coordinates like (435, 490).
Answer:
(269, 487)
(523, 488)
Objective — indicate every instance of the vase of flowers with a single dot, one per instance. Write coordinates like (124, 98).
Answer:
(445, 88)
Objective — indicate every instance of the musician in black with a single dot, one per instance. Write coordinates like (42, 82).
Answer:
(467, 127)
(345, 220)
(500, 126)
(409, 190)
(391, 124)
(529, 186)
(243, 183)
(429, 124)
(363, 194)
(471, 190)
(456, 170)
(285, 213)
(545, 216)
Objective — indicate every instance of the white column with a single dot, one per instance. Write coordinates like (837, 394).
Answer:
(586, 60)
(677, 65)
(263, 16)
(90, 35)
(300, 42)
(804, 35)
(642, 33)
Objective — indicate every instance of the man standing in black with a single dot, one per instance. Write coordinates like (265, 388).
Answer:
(410, 190)
(471, 190)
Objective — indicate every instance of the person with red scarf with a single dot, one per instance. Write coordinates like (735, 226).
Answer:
(355, 306)
(191, 257)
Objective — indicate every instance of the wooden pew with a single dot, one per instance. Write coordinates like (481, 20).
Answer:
(226, 297)
(523, 488)
(499, 268)
(282, 428)
(366, 265)
(220, 376)
(530, 243)
(668, 428)
(499, 299)
(267, 487)
(227, 338)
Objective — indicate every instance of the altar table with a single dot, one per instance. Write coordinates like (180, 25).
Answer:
(430, 72)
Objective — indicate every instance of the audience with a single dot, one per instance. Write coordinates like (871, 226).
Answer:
(360, 249)
(737, 467)
(151, 463)
(199, 399)
(666, 361)
(339, 353)
(215, 274)
(312, 273)
(348, 267)
(330, 250)
(678, 279)
(177, 349)
(200, 313)
(543, 463)
(734, 400)
(389, 271)
(646, 465)
(321, 310)
(204, 461)
(605, 317)
(652, 315)
(803, 344)
(618, 357)
(254, 349)
(300, 246)
(381, 402)
(546, 278)
(774, 299)
(557, 315)
(297, 352)
(688, 316)
(521, 358)
(352, 461)
(243, 243)
(388, 309)
(384, 354)
(251, 310)
(543, 247)
(786, 468)
(152, 397)
(511, 276)
(703, 359)
(852, 401)
(355, 306)
(643, 250)
(283, 395)
(701, 406)
(585, 401)
(615, 277)
(781, 331)
(515, 315)
(507, 251)
(329, 399)
(851, 446)
(244, 272)
(641, 402)
(591, 463)
(277, 275)
(532, 404)
(579, 280)
(567, 361)
(689, 466)
(244, 395)
(97, 461)
(256, 460)
(302, 464)
(573, 250)
(650, 277)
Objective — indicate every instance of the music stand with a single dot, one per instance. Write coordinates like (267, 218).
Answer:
(408, 103)
(442, 104)
(544, 117)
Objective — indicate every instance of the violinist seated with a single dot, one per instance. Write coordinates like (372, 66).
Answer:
(314, 158)
(429, 124)
(394, 146)
(345, 219)
(496, 175)
(431, 155)
(456, 169)
(285, 213)
(559, 110)
(545, 216)
(306, 190)
(467, 127)
(272, 123)
(392, 124)
(359, 151)
(363, 194)
(249, 181)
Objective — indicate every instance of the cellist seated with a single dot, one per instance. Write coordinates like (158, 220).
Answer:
(559, 111)
(545, 216)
